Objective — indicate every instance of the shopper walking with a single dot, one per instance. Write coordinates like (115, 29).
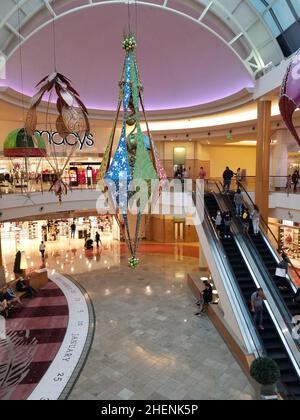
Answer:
(238, 201)
(227, 177)
(42, 249)
(185, 174)
(218, 222)
(98, 240)
(73, 230)
(282, 272)
(246, 220)
(227, 223)
(255, 216)
(202, 174)
(295, 179)
(257, 307)
(289, 183)
(238, 177)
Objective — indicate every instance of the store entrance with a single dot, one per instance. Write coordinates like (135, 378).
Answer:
(64, 230)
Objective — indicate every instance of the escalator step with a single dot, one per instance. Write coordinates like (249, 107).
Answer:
(284, 365)
(290, 378)
(268, 335)
(278, 356)
(274, 345)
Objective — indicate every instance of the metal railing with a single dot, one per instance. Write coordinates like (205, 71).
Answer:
(28, 185)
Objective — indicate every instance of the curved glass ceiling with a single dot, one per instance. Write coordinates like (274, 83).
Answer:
(250, 28)
(278, 15)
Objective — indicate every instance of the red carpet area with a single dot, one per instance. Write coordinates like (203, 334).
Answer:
(35, 333)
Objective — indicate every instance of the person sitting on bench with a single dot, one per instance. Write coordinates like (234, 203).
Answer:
(205, 299)
(23, 287)
(10, 296)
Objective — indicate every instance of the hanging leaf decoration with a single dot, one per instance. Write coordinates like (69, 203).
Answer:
(70, 119)
(61, 128)
(31, 121)
(73, 120)
(67, 97)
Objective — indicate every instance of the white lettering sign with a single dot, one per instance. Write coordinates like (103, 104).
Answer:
(54, 138)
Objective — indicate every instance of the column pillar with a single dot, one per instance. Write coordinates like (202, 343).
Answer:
(263, 157)
(202, 260)
(280, 158)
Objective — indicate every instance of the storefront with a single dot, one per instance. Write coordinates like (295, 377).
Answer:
(288, 234)
(83, 173)
(14, 173)
(57, 230)
(294, 162)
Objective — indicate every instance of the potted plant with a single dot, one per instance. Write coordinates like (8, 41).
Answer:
(266, 373)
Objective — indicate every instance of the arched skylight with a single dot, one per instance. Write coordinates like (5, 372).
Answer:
(279, 15)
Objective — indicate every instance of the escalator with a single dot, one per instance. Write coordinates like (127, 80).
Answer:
(272, 342)
(270, 262)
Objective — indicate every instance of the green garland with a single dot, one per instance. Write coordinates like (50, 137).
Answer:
(133, 262)
(129, 43)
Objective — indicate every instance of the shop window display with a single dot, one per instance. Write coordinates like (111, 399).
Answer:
(19, 234)
(289, 238)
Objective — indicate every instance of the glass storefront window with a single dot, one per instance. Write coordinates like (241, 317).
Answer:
(294, 163)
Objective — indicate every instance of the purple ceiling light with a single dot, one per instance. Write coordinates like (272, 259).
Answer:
(181, 64)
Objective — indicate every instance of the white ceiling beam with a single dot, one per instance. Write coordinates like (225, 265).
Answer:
(49, 7)
(205, 11)
(14, 31)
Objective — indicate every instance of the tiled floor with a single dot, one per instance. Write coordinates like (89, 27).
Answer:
(148, 343)
(40, 326)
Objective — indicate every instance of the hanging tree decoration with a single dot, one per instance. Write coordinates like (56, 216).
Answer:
(290, 95)
(136, 159)
(72, 119)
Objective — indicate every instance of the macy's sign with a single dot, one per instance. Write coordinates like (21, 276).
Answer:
(54, 138)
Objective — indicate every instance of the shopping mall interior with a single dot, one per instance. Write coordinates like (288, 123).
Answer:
(150, 200)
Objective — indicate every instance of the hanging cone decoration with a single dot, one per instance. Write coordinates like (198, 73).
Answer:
(290, 95)
(135, 161)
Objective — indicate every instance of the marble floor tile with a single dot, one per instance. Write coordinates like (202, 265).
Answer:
(148, 343)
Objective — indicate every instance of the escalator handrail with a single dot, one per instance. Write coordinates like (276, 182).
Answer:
(265, 225)
(276, 316)
(246, 321)
(283, 308)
